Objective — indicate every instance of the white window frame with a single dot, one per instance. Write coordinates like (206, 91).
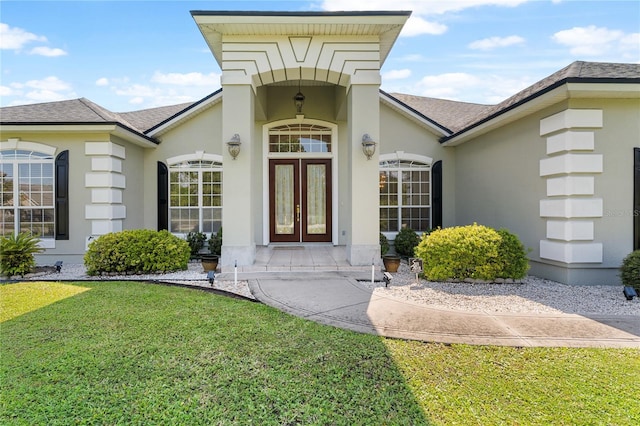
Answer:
(401, 156)
(49, 154)
(172, 164)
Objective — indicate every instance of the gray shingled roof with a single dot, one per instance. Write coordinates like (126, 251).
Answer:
(451, 114)
(461, 116)
(455, 116)
(147, 118)
(80, 111)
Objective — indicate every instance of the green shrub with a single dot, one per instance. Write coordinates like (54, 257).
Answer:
(384, 244)
(215, 243)
(196, 242)
(630, 270)
(405, 242)
(512, 255)
(137, 251)
(16, 253)
(472, 251)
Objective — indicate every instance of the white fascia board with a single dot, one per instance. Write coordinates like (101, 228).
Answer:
(566, 91)
(192, 112)
(112, 129)
(557, 95)
(413, 116)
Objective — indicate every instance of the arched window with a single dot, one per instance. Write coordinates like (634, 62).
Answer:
(27, 191)
(195, 194)
(405, 192)
(300, 137)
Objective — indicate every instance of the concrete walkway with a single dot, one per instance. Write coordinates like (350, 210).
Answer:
(340, 301)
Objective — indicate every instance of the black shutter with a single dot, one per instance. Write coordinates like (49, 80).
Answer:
(636, 198)
(163, 196)
(436, 195)
(62, 196)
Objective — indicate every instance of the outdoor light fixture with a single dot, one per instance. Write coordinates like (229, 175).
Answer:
(234, 145)
(629, 292)
(298, 99)
(58, 265)
(211, 276)
(368, 146)
(387, 277)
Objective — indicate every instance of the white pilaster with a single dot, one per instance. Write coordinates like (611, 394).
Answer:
(571, 208)
(106, 182)
(237, 192)
(364, 118)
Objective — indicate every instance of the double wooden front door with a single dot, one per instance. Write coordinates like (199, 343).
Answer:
(300, 200)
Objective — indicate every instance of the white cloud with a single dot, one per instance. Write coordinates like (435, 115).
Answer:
(13, 38)
(187, 79)
(478, 88)
(136, 90)
(396, 74)
(417, 24)
(496, 42)
(419, 7)
(49, 83)
(594, 41)
(102, 81)
(48, 89)
(136, 101)
(47, 51)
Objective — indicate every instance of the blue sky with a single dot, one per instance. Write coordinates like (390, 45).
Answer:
(127, 55)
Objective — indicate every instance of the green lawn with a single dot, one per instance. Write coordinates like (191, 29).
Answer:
(135, 353)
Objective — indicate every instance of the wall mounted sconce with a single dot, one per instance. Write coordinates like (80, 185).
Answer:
(368, 146)
(234, 145)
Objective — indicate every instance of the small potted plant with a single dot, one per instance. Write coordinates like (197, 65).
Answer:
(210, 260)
(391, 261)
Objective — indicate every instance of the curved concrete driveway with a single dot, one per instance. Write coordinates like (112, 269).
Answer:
(343, 302)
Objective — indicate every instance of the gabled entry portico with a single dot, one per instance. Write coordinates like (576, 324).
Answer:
(327, 195)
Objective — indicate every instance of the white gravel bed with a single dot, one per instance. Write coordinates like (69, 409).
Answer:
(533, 295)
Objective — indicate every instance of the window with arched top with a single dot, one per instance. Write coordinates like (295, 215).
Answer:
(405, 192)
(195, 194)
(29, 197)
(300, 137)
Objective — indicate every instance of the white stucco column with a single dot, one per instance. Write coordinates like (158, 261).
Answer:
(363, 246)
(237, 192)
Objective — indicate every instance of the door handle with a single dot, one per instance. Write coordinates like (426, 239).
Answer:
(298, 212)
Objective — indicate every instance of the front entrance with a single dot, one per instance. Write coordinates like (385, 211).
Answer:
(300, 200)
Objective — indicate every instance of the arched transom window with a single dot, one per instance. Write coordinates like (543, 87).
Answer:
(195, 196)
(405, 193)
(300, 137)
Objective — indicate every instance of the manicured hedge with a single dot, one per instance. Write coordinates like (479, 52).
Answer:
(472, 251)
(139, 251)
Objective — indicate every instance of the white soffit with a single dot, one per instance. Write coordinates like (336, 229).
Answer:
(385, 25)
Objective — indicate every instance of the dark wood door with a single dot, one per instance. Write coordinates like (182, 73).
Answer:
(300, 200)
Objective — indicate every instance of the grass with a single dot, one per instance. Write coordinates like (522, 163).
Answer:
(133, 353)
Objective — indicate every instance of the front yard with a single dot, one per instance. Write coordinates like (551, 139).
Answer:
(136, 353)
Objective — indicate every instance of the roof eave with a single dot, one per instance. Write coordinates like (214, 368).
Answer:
(565, 89)
(190, 111)
(211, 24)
(414, 115)
(116, 129)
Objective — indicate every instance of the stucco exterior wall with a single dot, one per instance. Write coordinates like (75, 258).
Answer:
(499, 184)
(202, 132)
(80, 191)
(398, 133)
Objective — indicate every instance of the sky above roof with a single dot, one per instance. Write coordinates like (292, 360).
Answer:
(127, 55)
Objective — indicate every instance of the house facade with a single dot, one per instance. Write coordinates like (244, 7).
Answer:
(300, 146)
